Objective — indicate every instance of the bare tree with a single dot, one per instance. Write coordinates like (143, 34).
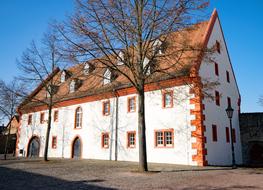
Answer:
(135, 33)
(9, 100)
(38, 67)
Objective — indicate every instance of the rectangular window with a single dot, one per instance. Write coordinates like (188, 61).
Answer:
(214, 133)
(106, 108)
(217, 98)
(164, 138)
(168, 99)
(216, 69)
(218, 47)
(131, 139)
(54, 142)
(131, 104)
(227, 77)
(29, 121)
(42, 117)
(56, 116)
(105, 140)
(227, 135)
(228, 101)
(234, 135)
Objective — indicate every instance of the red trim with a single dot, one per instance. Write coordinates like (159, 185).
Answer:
(104, 106)
(217, 98)
(103, 135)
(170, 93)
(129, 105)
(54, 142)
(164, 138)
(42, 117)
(29, 119)
(56, 116)
(128, 139)
(214, 133)
(218, 47)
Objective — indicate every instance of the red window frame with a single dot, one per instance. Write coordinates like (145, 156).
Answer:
(227, 77)
(217, 98)
(56, 116)
(129, 142)
(234, 135)
(227, 135)
(165, 93)
(80, 115)
(103, 137)
(29, 119)
(214, 133)
(42, 117)
(218, 47)
(54, 142)
(129, 104)
(104, 111)
(216, 69)
(163, 139)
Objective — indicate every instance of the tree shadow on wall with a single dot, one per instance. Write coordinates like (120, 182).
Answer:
(17, 179)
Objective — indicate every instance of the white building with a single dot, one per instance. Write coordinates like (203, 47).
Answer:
(182, 125)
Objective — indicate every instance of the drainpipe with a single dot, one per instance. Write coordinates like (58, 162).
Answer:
(116, 123)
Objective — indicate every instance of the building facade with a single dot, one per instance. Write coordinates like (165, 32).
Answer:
(183, 126)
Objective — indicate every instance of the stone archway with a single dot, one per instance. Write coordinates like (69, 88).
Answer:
(33, 147)
(76, 148)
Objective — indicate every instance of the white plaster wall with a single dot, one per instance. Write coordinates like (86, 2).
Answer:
(219, 153)
(94, 123)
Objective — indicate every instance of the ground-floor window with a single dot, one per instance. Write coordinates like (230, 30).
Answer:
(105, 140)
(164, 138)
(54, 142)
(131, 139)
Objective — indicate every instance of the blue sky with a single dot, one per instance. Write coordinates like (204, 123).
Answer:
(21, 21)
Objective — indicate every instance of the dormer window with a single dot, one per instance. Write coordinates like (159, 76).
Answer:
(63, 76)
(145, 64)
(72, 86)
(120, 58)
(107, 77)
(86, 69)
(157, 47)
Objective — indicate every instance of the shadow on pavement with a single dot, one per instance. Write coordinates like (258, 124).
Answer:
(17, 179)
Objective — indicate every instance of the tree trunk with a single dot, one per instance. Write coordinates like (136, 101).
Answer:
(141, 128)
(48, 133)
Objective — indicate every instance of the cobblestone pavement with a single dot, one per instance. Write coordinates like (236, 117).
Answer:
(94, 174)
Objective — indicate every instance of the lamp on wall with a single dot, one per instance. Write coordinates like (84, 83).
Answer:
(229, 112)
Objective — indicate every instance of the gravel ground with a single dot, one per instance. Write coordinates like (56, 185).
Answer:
(94, 174)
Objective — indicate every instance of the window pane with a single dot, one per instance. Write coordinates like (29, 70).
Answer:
(159, 138)
(168, 138)
(168, 99)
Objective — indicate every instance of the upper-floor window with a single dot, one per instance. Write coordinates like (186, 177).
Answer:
(29, 119)
(131, 104)
(234, 135)
(86, 69)
(167, 99)
(72, 86)
(120, 58)
(78, 118)
(227, 77)
(106, 108)
(105, 140)
(42, 117)
(216, 69)
(214, 133)
(54, 142)
(218, 47)
(164, 138)
(55, 115)
(227, 135)
(131, 140)
(228, 101)
(217, 98)
(107, 77)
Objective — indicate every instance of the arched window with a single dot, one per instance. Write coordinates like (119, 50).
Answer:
(107, 77)
(78, 118)
(72, 86)
(63, 76)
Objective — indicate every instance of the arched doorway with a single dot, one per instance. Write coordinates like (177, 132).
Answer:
(33, 147)
(76, 148)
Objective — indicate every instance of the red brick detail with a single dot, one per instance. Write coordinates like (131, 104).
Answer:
(199, 145)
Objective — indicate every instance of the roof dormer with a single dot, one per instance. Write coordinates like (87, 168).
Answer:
(157, 47)
(86, 69)
(107, 76)
(74, 85)
(120, 58)
(63, 76)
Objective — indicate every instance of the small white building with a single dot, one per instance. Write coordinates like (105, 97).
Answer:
(183, 126)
